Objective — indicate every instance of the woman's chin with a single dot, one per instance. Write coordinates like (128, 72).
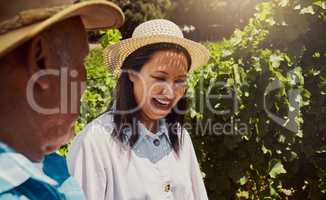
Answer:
(159, 114)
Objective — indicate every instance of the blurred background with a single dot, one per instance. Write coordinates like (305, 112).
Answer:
(200, 20)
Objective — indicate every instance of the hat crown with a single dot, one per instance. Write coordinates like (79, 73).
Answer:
(9, 9)
(157, 27)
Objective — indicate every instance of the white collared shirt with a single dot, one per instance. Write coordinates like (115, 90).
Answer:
(109, 170)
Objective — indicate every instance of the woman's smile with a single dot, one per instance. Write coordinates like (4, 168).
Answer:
(161, 104)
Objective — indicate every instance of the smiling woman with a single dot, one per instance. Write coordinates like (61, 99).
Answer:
(139, 149)
(154, 87)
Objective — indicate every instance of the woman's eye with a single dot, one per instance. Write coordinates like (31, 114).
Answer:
(180, 82)
(159, 78)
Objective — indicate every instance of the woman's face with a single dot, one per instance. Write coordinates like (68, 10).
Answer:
(160, 84)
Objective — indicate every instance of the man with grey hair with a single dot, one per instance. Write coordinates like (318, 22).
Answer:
(42, 48)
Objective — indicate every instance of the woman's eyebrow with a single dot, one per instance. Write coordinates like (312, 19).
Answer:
(182, 76)
(162, 72)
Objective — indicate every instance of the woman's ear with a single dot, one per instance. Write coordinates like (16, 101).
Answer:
(37, 57)
(132, 76)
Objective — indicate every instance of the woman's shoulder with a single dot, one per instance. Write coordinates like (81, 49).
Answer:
(105, 121)
(103, 124)
(182, 133)
(98, 131)
(185, 138)
(91, 144)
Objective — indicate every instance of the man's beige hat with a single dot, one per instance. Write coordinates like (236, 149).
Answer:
(20, 20)
(151, 32)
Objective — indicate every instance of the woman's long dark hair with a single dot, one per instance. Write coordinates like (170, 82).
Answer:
(125, 100)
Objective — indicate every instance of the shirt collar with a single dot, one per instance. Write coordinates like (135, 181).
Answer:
(15, 169)
(144, 131)
(162, 129)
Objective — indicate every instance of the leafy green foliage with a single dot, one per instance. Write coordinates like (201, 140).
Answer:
(100, 85)
(266, 161)
(110, 37)
(101, 81)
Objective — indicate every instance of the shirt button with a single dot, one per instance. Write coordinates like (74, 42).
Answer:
(167, 188)
(156, 142)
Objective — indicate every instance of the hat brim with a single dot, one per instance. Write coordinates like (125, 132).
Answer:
(94, 14)
(114, 55)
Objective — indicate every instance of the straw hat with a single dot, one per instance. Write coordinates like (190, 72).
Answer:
(21, 20)
(151, 32)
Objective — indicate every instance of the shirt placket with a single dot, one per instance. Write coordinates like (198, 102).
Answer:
(163, 169)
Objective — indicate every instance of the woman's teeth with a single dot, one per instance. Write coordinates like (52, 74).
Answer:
(161, 104)
(162, 101)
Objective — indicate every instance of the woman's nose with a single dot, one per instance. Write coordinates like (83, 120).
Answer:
(169, 90)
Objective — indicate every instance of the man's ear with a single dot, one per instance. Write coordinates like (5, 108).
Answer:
(37, 60)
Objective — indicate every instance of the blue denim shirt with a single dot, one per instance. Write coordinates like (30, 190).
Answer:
(152, 146)
(22, 179)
